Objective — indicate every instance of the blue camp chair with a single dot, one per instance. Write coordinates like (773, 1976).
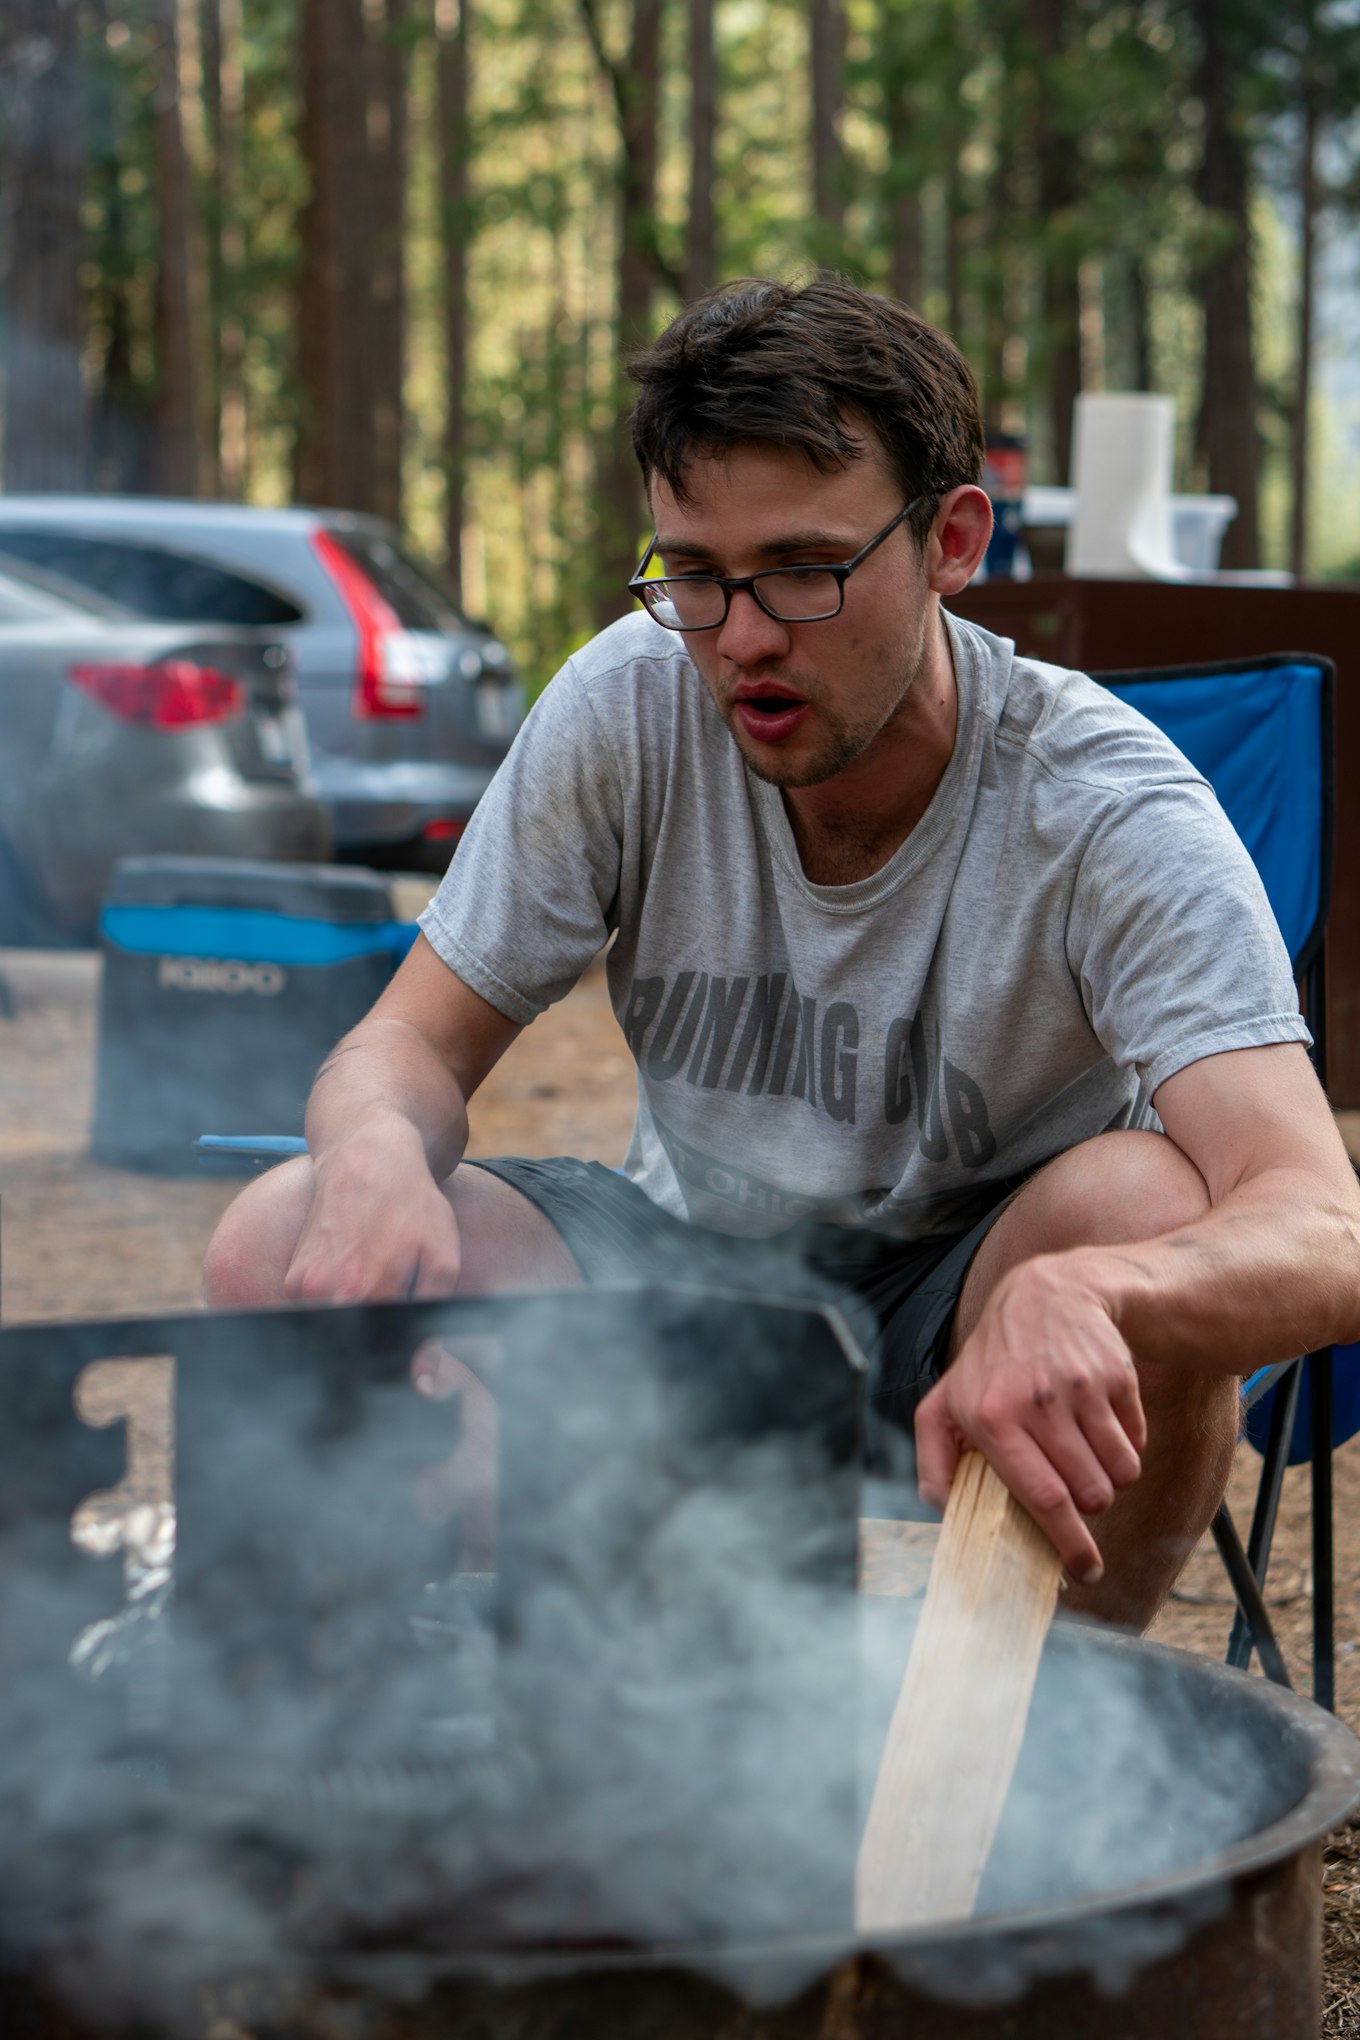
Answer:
(1260, 730)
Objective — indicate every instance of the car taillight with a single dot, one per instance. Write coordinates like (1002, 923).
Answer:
(167, 695)
(379, 690)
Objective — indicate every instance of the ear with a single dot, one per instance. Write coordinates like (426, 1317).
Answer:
(958, 538)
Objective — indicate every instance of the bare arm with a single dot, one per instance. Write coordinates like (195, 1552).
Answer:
(386, 1123)
(1272, 1270)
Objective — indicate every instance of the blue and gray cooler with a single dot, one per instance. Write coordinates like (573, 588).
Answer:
(226, 983)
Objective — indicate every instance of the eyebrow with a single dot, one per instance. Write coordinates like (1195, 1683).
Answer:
(789, 541)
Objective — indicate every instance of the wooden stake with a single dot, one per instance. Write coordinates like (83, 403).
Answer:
(960, 1716)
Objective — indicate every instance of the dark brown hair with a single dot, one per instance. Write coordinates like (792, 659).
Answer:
(801, 365)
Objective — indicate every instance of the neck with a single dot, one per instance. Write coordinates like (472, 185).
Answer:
(848, 827)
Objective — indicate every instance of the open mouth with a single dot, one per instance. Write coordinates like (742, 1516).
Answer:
(771, 716)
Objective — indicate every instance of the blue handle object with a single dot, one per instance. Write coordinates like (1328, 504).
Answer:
(249, 935)
(251, 1144)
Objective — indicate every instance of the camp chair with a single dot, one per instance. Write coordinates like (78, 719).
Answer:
(1260, 730)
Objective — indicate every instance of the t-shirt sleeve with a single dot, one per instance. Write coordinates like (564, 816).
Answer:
(531, 896)
(1172, 938)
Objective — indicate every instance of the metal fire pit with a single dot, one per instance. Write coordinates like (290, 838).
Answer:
(186, 1867)
(1180, 1933)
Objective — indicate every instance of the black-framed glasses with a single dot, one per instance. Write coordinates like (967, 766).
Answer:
(810, 594)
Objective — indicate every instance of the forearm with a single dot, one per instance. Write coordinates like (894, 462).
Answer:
(1270, 1271)
(385, 1079)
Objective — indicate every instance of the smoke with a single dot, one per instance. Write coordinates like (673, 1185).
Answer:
(528, 1624)
(639, 1728)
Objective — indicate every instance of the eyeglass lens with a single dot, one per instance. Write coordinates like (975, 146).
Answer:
(692, 603)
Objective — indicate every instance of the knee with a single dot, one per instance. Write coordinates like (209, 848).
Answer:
(226, 1264)
(249, 1252)
(1116, 1188)
(229, 1266)
(1119, 1186)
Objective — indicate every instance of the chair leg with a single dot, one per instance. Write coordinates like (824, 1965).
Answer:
(1274, 1460)
(1247, 1589)
(1324, 1613)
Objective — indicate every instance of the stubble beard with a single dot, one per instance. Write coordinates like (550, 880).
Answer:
(844, 742)
(842, 746)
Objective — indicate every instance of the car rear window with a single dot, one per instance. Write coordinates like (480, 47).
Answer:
(409, 589)
(151, 580)
(27, 592)
(18, 606)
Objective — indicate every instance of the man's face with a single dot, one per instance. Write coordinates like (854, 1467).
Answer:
(802, 700)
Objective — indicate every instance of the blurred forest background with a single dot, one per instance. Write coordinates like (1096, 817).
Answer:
(390, 254)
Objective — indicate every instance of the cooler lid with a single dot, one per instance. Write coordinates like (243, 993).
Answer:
(313, 892)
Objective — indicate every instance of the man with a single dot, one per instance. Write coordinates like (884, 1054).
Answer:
(948, 983)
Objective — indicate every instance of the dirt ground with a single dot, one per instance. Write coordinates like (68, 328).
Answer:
(81, 1240)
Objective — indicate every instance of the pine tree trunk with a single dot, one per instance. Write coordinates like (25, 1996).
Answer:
(953, 237)
(315, 347)
(1062, 319)
(453, 26)
(194, 136)
(828, 89)
(224, 105)
(333, 460)
(906, 277)
(224, 94)
(1227, 433)
(1140, 322)
(120, 439)
(906, 224)
(1299, 465)
(121, 427)
(636, 87)
(210, 44)
(998, 227)
(387, 128)
(44, 167)
(176, 445)
(701, 239)
(1055, 159)
(640, 103)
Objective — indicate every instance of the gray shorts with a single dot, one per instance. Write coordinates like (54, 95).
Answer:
(898, 1297)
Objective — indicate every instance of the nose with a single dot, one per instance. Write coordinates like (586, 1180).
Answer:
(750, 636)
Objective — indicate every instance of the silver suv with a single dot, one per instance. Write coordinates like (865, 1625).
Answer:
(409, 706)
(120, 737)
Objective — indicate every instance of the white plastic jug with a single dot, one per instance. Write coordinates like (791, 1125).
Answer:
(1121, 529)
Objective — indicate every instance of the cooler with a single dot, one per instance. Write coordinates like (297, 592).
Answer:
(225, 985)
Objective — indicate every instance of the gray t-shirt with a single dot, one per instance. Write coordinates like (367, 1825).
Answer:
(1071, 922)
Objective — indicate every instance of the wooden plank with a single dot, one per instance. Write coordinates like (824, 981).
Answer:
(894, 1557)
(960, 1715)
